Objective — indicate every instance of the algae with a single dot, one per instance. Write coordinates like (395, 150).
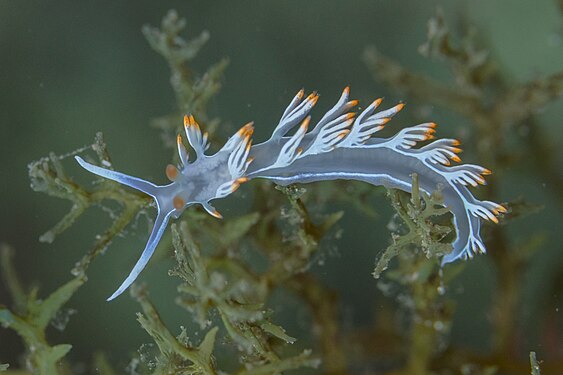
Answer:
(230, 299)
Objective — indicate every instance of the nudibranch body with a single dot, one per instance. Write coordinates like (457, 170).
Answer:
(340, 146)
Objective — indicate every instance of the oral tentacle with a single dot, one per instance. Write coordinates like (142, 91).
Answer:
(134, 182)
(157, 231)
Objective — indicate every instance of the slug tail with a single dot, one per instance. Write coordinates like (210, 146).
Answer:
(465, 247)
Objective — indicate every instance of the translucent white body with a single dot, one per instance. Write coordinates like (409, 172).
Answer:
(340, 146)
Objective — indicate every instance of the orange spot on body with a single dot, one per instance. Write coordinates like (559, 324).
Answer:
(377, 102)
(171, 172)
(178, 202)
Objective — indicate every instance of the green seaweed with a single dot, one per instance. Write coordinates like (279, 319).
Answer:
(534, 364)
(238, 295)
(32, 315)
(418, 248)
(421, 231)
(48, 176)
(175, 351)
(230, 298)
(193, 92)
(479, 93)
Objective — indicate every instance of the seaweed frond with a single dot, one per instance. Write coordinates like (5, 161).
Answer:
(193, 92)
(418, 247)
(421, 232)
(48, 176)
(534, 364)
(500, 114)
(176, 354)
(480, 94)
(32, 315)
(238, 296)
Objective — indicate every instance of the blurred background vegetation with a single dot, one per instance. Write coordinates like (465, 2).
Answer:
(489, 73)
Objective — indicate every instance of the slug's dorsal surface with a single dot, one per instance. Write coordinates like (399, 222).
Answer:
(198, 182)
(340, 146)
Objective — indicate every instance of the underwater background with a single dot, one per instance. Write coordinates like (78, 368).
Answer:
(488, 73)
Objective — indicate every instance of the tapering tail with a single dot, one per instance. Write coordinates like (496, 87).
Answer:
(160, 223)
